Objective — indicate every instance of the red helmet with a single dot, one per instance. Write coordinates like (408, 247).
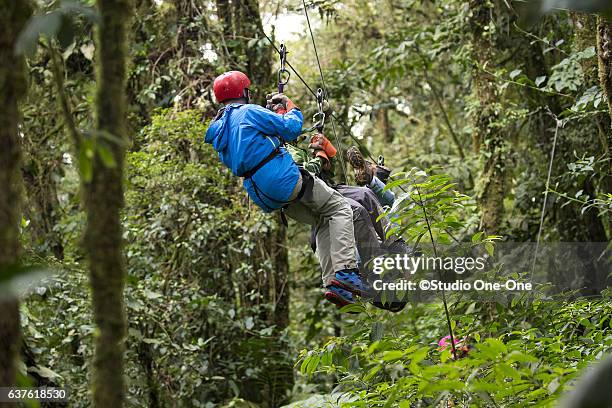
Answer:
(230, 85)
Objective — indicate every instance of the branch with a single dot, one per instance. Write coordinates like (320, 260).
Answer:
(58, 77)
(441, 106)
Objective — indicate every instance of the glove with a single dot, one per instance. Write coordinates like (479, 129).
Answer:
(279, 102)
(269, 103)
(320, 143)
(323, 159)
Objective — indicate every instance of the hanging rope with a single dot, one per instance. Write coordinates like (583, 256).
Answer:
(559, 124)
(326, 94)
(421, 204)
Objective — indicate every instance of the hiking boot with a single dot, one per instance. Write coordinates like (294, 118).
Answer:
(382, 173)
(339, 296)
(364, 170)
(350, 280)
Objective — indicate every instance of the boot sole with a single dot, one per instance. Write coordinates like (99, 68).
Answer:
(336, 299)
(353, 289)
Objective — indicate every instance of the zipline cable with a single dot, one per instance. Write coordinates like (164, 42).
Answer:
(314, 45)
(289, 64)
(314, 93)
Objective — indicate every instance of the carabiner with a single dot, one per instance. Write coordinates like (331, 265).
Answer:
(320, 98)
(283, 74)
(319, 117)
(319, 121)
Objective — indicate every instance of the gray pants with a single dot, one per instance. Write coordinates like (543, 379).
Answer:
(331, 215)
(366, 239)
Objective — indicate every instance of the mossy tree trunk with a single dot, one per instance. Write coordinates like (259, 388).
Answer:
(13, 17)
(258, 58)
(42, 208)
(574, 225)
(586, 33)
(224, 13)
(488, 138)
(604, 53)
(104, 202)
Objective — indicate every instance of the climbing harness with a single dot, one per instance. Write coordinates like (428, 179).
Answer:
(307, 183)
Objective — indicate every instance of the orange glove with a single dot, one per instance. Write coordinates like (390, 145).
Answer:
(320, 143)
(325, 162)
(279, 103)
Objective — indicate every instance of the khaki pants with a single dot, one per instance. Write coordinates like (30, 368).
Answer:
(331, 215)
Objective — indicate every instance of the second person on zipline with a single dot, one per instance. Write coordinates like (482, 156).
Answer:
(249, 140)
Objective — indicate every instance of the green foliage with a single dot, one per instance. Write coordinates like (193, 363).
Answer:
(429, 204)
(526, 355)
(200, 310)
(520, 353)
(567, 75)
(195, 295)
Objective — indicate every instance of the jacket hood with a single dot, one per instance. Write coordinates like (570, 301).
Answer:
(216, 134)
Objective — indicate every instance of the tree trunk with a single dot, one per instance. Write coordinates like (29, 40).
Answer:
(576, 226)
(488, 140)
(248, 26)
(13, 17)
(281, 277)
(604, 54)
(586, 35)
(104, 202)
(43, 205)
(224, 14)
(385, 125)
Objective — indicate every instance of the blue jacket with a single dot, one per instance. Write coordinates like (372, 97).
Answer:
(245, 135)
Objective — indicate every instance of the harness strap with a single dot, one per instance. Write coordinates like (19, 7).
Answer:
(307, 184)
(250, 173)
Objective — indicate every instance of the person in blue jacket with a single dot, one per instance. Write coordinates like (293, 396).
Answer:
(249, 140)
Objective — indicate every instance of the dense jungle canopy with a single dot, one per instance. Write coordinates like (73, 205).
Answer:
(135, 272)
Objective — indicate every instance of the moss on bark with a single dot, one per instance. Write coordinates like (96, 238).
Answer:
(104, 202)
(604, 55)
(13, 17)
(488, 139)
